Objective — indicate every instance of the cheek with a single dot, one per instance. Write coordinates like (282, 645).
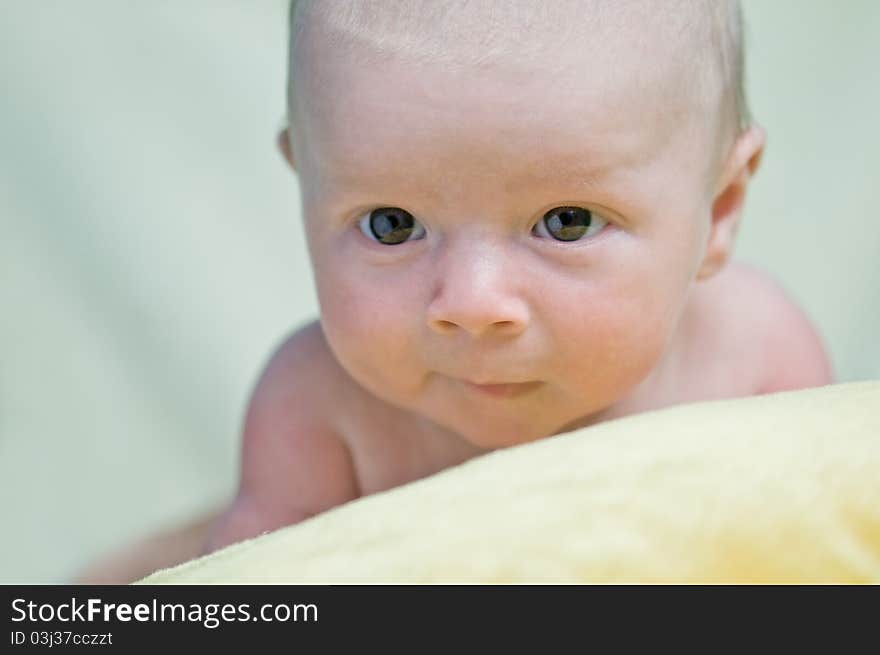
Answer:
(613, 335)
(372, 333)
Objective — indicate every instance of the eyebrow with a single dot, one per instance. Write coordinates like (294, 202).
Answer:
(574, 176)
(565, 173)
(586, 173)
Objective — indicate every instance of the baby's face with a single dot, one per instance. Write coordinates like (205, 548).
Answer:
(500, 227)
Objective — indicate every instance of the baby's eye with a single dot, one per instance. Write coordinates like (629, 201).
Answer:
(391, 225)
(570, 223)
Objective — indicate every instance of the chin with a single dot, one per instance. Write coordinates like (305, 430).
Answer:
(493, 437)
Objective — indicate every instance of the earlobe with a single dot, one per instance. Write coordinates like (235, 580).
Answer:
(285, 147)
(740, 167)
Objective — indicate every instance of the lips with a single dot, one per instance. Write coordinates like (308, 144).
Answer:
(503, 390)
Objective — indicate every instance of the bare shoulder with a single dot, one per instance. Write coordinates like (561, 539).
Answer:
(300, 380)
(756, 312)
(294, 462)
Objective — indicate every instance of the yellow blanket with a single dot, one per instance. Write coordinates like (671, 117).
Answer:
(781, 488)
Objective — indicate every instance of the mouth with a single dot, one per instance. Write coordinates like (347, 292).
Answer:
(504, 389)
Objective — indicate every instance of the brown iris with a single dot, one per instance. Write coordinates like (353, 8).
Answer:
(568, 223)
(391, 225)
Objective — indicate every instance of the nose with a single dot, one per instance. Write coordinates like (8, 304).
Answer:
(477, 291)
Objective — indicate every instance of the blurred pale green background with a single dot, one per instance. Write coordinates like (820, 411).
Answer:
(151, 254)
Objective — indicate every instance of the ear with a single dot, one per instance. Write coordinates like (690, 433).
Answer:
(741, 164)
(285, 147)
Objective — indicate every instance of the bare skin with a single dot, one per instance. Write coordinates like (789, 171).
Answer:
(740, 336)
(483, 330)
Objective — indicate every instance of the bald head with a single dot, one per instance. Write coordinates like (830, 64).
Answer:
(693, 47)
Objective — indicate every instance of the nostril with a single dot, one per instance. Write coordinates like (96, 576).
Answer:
(445, 326)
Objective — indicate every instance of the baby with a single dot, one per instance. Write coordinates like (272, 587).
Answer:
(520, 216)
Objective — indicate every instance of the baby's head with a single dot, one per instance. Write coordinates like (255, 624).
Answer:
(514, 193)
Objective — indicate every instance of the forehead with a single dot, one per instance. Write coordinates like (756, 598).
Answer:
(377, 96)
(478, 31)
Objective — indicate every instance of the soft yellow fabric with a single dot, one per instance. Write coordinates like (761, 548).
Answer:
(781, 488)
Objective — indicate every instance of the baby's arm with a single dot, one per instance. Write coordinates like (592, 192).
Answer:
(294, 464)
(159, 551)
